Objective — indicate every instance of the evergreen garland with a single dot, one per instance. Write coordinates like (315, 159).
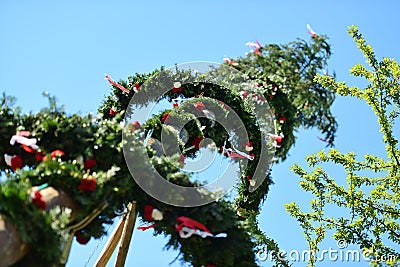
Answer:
(82, 155)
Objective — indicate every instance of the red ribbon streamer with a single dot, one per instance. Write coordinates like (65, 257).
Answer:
(323, 140)
(112, 82)
(144, 228)
(190, 223)
(235, 155)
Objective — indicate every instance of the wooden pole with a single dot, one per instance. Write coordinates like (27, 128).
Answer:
(123, 229)
(76, 227)
(112, 243)
(126, 235)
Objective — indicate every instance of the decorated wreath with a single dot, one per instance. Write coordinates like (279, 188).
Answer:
(70, 175)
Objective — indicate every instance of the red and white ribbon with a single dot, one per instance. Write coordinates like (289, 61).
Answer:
(230, 61)
(248, 146)
(177, 87)
(256, 47)
(136, 87)
(282, 119)
(187, 227)
(311, 31)
(252, 182)
(259, 99)
(187, 232)
(235, 153)
(150, 214)
(277, 139)
(30, 142)
(112, 82)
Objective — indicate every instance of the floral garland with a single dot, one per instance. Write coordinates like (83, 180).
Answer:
(83, 156)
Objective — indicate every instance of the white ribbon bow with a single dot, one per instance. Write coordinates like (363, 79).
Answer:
(187, 232)
(31, 142)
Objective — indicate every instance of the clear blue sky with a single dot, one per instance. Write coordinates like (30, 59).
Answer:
(65, 47)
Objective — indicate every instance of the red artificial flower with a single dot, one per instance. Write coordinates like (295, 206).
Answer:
(87, 184)
(89, 163)
(39, 156)
(113, 112)
(196, 142)
(16, 163)
(137, 86)
(175, 105)
(177, 90)
(249, 177)
(177, 87)
(261, 99)
(38, 201)
(278, 140)
(136, 125)
(222, 103)
(282, 119)
(220, 149)
(182, 158)
(82, 238)
(244, 94)
(199, 106)
(198, 95)
(57, 153)
(148, 210)
(166, 118)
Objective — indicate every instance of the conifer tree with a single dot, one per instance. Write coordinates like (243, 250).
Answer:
(369, 196)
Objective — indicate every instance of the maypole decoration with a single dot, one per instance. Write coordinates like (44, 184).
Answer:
(67, 175)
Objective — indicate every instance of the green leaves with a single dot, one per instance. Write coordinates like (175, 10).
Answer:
(370, 192)
(17, 207)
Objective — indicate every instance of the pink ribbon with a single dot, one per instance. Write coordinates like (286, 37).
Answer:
(112, 82)
(234, 153)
